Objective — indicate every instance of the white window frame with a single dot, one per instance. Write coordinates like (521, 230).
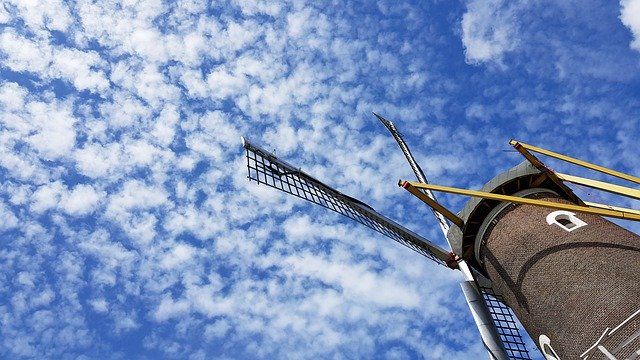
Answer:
(574, 222)
(547, 350)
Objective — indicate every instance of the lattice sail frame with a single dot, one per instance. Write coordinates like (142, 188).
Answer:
(506, 325)
(266, 168)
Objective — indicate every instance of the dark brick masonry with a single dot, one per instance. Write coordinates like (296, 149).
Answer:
(569, 286)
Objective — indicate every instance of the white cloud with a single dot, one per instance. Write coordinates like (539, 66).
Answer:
(23, 54)
(297, 23)
(164, 129)
(630, 17)
(169, 308)
(53, 132)
(252, 7)
(81, 68)
(218, 330)
(203, 226)
(96, 160)
(140, 152)
(25, 279)
(145, 80)
(125, 321)
(8, 220)
(356, 281)
(78, 66)
(135, 195)
(224, 84)
(179, 254)
(47, 197)
(43, 298)
(489, 30)
(12, 96)
(195, 84)
(43, 15)
(125, 110)
(81, 200)
(5, 17)
(215, 133)
(99, 305)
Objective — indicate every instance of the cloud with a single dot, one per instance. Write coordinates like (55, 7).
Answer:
(47, 197)
(129, 228)
(99, 305)
(179, 254)
(8, 220)
(169, 308)
(79, 67)
(53, 133)
(42, 17)
(136, 195)
(356, 282)
(81, 200)
(23, 54)
(95, 160)
(630, 17)
(82, 68)
(489, 30)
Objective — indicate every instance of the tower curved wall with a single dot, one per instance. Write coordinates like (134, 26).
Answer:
(566, 285)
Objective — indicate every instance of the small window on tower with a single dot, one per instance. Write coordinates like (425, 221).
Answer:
(565, 219)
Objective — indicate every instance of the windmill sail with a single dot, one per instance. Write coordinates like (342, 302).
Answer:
(506, 326)
(494, 319)
(417, 170)
(266, 168)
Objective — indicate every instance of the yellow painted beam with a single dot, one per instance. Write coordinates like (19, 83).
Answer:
(619, 214)
(600, 185)
(529, 156)
(519, 146)
(435, 205)
(609, 207)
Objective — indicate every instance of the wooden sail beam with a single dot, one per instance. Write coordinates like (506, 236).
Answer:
(434, 204)
(602, 210)
(525, 150)
(600, 185)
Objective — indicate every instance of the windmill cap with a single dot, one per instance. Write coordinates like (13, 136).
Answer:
(515, 181)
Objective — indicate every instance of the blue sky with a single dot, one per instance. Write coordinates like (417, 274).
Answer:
(128, 228)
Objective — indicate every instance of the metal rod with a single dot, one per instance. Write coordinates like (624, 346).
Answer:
(435, 205)
(522, 148)
(619, 214)
(609, 207)
(600, 185)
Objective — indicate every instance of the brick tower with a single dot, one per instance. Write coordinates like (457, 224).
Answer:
(571, 278)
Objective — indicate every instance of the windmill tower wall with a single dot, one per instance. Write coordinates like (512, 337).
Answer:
(568, 277)
(567, 285)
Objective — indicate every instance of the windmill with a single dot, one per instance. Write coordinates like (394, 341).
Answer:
(572, 280)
